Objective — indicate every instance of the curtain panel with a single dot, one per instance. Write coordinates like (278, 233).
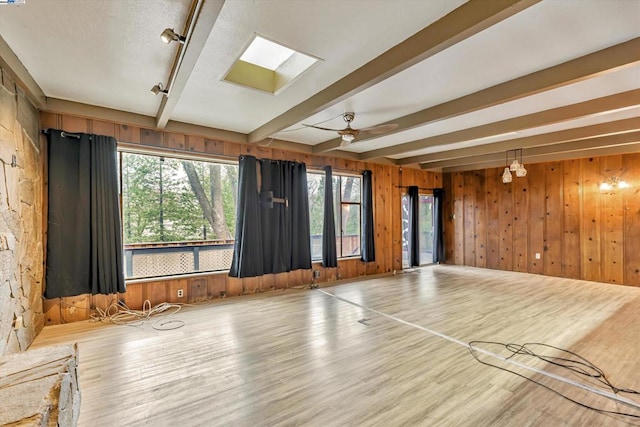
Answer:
(84, 239)
(329, 251)
(438, 225)
(272, 225)
(367, 244)
(414, 226)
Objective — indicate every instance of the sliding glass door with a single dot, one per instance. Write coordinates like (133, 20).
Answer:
(425, 227)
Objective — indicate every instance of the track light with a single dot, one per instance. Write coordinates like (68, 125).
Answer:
(169, 35)
(156, 89)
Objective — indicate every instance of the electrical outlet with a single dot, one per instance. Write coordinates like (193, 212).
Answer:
(316, 274)
(180, 293)
(537, 255)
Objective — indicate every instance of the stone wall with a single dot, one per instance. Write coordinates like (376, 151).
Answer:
(21, 239)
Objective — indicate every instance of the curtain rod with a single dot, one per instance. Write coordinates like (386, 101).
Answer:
(63, 134)
(419, 188)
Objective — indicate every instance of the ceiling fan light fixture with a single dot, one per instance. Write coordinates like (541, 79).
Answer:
(169, 35)
(348, 138)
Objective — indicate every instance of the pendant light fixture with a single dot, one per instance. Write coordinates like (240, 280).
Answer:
(516, 166)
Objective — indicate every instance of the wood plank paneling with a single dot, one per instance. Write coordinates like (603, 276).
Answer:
(572, 190)
(612, 224)
(155, 292)
(176, 285)
(470, 183)
(480, 209)
(151, 137)
(174, 141)
(216, 286)
(631, 235)
(520, 223)
(126, 133)
(537, 215)
(134, 297)
(554, 181)
(591, 230)
(51, 308)
(75, 309)
(99, 127)
(458, 217)
(75, 124)
(493, 185)
(505, 226)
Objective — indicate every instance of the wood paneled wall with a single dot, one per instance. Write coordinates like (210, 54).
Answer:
(557, 211)
(387, 181)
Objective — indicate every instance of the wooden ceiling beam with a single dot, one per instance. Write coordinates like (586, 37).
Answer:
(528, 154)
(553, 157)
(206, 13)
(608, 128)
(542, 118)
(467, 20)
(585, 67)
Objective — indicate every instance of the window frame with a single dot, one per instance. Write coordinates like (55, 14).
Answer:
(127, 148)
(338, 215)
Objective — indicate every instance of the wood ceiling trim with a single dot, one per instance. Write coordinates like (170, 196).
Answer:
(12, 65)
(542, 118)
(529, 153)
(585, 67)
(608, 128)
(553, 157)
(61, 106)
(463, 22)
(205, 19)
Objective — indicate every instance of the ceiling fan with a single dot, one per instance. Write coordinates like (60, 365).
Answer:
(349, 134)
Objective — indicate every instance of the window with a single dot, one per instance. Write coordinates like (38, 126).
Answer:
(178, 216)
(347, 196)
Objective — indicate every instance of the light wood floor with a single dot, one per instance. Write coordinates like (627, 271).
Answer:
(301, 357)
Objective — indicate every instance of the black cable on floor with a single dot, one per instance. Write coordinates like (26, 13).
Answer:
(578, 365)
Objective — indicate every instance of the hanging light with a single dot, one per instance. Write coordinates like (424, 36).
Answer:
(515, 166)
(506, 176)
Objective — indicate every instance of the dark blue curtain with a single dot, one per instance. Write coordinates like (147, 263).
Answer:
(329, 252)
(84, 239)
(271, 236)
(438, 225)
(247, 250)
(298, 219)
(368, 246)
(414, 227)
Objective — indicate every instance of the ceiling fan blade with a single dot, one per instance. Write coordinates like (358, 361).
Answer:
(380, 129)
(321, 128)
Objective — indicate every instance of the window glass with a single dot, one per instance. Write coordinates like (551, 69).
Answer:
(315, 182)
(178, 216)
(346, 199)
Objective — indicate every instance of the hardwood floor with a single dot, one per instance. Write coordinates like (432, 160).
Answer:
(365, 353)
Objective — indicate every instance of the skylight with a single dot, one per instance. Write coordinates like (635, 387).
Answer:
(268, 66)
(266, 53)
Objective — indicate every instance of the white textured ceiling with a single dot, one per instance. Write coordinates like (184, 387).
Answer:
(108, 53)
